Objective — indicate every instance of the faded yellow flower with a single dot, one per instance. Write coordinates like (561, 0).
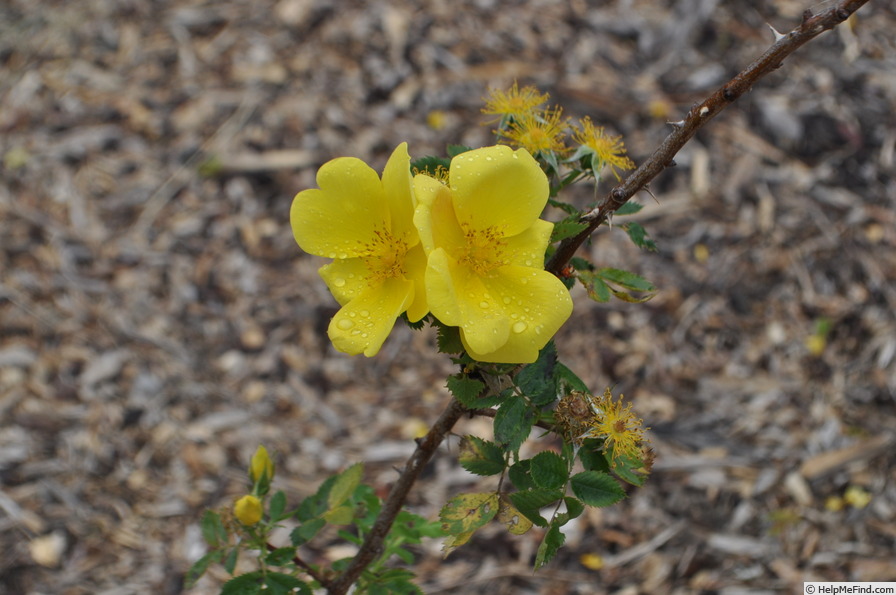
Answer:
(621, 431)
(604, 150)
(537, 132)
(514, 102)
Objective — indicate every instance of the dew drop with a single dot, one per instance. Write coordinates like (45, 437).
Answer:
(507, 299)
(363, 335)
(483, 304)
(344, 324)
(364, 313)
(339, 282)
(356, 332)
(519, 326)
(331, 255)
(343, 255)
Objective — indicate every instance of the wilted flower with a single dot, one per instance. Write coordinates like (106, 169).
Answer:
(514, 102)
(621, 431)
(604, 150)
(537, 132)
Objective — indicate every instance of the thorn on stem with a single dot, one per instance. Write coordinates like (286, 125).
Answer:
(778, 35)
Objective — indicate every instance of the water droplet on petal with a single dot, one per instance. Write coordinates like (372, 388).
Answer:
(344, 324)
(339, 282)
(483, 304)
(519, 326)
(331, 255)
(364, 313)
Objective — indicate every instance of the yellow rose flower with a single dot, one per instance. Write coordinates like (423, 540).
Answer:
(247, 510)
(485, 246)
(366, 225)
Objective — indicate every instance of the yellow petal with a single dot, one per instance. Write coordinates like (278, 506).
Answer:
(362, 325)
(337, 219)
(535, 303)
(398, 188)
(345, 278)
(415, 267)
(458, 297)
(434, 216)
(497, 187)
(441, 289)
(527, 248)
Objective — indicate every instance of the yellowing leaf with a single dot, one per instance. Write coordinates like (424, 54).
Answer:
(508, 514)
(452, 542)
(345, 485)
(468, 512)
(341, 515)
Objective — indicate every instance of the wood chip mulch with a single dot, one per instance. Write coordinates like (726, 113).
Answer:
(158, 321)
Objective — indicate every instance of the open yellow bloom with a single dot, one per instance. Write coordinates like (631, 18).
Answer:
(248, 510)
(486, 245)
(366, 225)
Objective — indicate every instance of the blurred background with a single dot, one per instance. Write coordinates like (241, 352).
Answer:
(158, 321)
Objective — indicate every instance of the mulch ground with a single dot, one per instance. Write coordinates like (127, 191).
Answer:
(158, 321)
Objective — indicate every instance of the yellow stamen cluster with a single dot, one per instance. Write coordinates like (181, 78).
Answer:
(537, 132)
(440, 174)
(608, 150)
(384, 256)
(484, 249)
(617, 425)
(513, 102)
(582, 415)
